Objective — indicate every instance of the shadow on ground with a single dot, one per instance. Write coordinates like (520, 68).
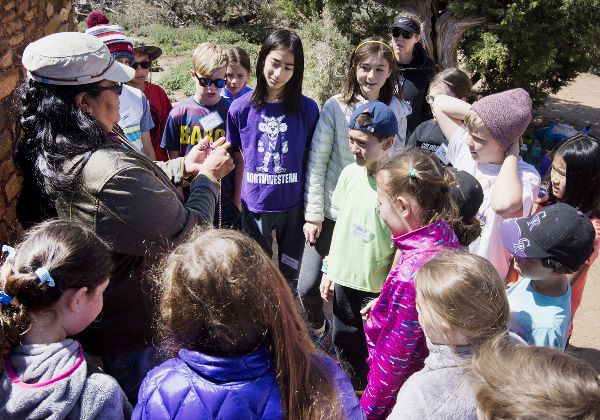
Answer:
(571, 112)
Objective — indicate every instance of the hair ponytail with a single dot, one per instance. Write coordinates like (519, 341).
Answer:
(421, 175)
(73, 257)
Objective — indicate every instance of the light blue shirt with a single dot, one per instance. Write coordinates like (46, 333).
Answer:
(540, 320)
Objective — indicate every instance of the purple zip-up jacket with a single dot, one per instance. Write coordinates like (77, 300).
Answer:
(395, 340)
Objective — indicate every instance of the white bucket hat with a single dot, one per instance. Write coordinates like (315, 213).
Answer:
(73, 58)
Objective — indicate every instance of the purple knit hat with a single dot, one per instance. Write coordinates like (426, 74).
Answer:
(506, 114)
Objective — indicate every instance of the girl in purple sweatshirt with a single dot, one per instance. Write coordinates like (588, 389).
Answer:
(415, 203)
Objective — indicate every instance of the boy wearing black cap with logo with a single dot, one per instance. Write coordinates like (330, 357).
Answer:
(361, 251)
(547, 246)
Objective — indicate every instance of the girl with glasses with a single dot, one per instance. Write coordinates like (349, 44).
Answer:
(415, 67)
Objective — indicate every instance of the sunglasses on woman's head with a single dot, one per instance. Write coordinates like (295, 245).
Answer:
(146, 64)
(118, 88)
(396, 32)
(205, 81)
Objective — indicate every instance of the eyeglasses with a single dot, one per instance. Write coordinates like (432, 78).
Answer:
(396, 32)
(205, 81)
(118, 88)
(146, 64)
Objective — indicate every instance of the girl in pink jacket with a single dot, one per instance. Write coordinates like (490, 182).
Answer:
(415, 202)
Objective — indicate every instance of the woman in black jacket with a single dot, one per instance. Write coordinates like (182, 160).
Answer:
(415, 67)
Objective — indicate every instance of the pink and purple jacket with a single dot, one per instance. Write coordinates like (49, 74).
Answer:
(395, 340)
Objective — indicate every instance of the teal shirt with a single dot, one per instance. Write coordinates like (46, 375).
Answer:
(361, 251)
(541, 320)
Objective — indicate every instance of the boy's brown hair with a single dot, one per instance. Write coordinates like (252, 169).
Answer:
(514, 381)
(208, 58)
(220, 294)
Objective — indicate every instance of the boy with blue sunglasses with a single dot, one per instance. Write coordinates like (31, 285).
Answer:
(203, 115)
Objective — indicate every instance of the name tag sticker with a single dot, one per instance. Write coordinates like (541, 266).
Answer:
(361, 232)
(441, 153)
(211, 121)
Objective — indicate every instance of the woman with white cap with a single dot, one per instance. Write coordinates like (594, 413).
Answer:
(70, 107)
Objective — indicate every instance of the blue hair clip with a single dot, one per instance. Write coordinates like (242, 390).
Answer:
(44, 276)
(5, 299)
(412, 173)
(9, 250)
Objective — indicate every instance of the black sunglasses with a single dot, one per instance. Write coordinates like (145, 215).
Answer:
(205, 81)
(118, 88)
(146, 64)
(396, 32)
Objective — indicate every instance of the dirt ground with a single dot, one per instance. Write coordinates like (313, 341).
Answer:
(579, 105)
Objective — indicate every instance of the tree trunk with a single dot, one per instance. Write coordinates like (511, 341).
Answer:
(449, 32)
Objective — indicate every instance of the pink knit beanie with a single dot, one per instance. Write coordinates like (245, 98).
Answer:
(506, 114)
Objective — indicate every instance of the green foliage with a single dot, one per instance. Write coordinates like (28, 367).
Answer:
(363, 19)
(538, 45)
(326, 54)
(179, 79)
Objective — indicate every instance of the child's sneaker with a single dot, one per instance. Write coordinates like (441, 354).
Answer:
(321, 340)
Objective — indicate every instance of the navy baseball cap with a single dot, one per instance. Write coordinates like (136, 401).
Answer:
(466, 192)
(558, 231)
(383, 121)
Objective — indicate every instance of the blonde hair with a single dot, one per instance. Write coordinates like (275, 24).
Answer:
(208, 58)
(465, 293)
(473, 121)
(515, 381)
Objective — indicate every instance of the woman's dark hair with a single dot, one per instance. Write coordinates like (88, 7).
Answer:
(54, 131)
(281, 39)
(73, 255)
(230, 299)
(366, 48)
(457, 81)
(581, 153)
(421, 175)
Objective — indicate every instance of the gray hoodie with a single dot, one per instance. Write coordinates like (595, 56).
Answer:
(441, 390)
(84, 394)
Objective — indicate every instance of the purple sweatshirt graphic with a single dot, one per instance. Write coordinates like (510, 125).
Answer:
(275, 146)
(395, 340)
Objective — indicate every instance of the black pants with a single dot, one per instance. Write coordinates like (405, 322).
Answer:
(288, 234)
(310, 276)
(348, 333)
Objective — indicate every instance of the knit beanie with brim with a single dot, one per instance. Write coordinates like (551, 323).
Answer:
(506, 115)
(113, 36)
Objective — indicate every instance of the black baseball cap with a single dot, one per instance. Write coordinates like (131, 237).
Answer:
(558, 231)
(407, 24)
(466, 192)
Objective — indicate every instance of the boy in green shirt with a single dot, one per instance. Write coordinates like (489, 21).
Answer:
(361, 250)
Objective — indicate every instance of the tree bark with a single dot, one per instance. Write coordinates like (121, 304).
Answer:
(449, 32)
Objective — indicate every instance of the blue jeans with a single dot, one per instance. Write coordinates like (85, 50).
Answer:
(130, 369)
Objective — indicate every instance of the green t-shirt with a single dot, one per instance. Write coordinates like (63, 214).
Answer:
(361, 250)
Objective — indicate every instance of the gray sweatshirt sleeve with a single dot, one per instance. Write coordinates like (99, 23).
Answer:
(409, 403)
(103, 399)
